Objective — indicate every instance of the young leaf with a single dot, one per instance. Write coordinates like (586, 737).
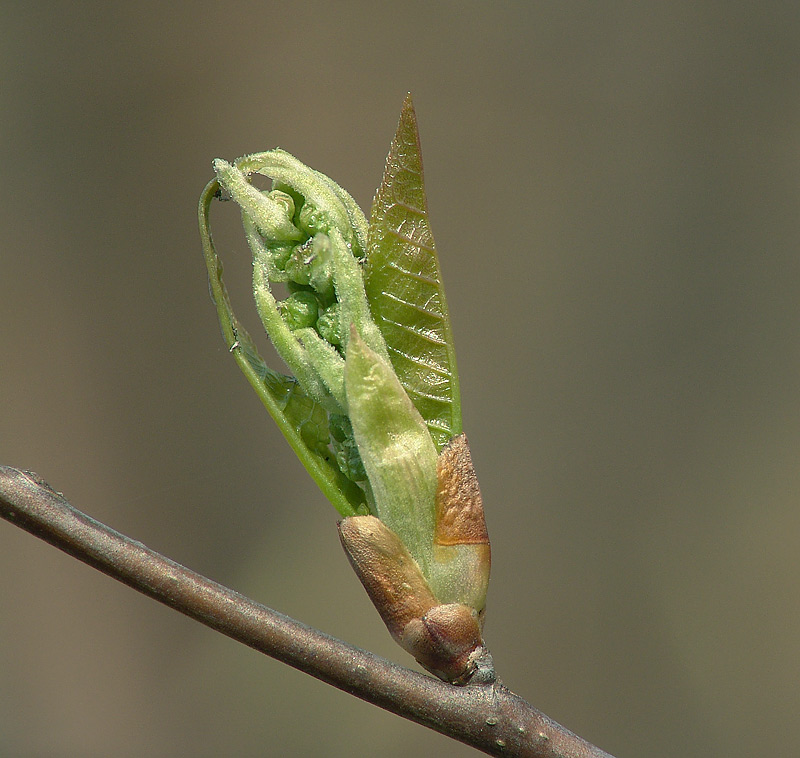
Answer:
(404, 286)
(303, 422)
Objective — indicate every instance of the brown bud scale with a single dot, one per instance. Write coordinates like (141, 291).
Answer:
(390, 575)
(459, 506)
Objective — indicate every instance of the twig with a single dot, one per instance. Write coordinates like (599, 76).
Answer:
(488, 717)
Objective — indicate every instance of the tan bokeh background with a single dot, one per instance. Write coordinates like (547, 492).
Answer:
(614, 189)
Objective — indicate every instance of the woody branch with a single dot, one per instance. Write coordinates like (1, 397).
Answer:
(489, 717)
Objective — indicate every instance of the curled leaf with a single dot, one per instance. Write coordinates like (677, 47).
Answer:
(303, 422)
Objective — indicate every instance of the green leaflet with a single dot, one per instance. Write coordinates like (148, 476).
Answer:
(404, 286)
(303, 422)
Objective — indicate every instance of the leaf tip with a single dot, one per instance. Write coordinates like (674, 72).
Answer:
(408, 117)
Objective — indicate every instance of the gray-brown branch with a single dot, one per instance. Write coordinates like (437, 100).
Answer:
(488, 717)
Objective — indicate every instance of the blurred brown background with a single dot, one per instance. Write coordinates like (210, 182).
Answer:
(614, 189)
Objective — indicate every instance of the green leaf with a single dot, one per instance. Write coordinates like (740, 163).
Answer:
(303, 422)
(404, 286)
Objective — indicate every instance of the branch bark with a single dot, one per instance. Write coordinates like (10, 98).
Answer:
(491, 718)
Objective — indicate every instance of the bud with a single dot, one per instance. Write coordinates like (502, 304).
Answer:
(372, 405)
(444, 639)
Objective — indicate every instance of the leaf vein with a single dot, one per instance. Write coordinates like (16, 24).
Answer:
(419, 308)
(435, 368)
(410, 208)
(427, 395)
(413, 274)
(432, 338)
(411, 241)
